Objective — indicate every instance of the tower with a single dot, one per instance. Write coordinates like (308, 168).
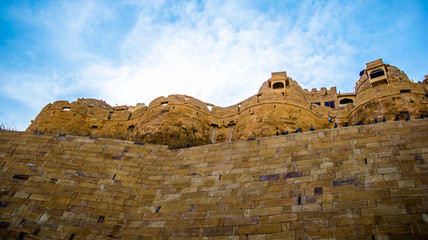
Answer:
(279, 81)
(377, 72)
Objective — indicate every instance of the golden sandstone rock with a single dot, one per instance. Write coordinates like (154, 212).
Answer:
(383, 93)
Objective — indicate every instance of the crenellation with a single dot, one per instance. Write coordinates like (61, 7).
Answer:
(281, 106)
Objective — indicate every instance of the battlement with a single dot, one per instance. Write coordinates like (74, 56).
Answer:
(280, 106)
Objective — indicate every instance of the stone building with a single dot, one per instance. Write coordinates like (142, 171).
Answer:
(383, 93)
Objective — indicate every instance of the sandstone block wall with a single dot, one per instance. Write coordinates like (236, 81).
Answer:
(360, 182)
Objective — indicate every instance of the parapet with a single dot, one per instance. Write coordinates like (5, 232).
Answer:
(382, 92)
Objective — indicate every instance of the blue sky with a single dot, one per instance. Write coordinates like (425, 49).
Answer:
(129, 52)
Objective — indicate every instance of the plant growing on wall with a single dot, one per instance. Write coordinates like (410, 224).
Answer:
(189, 132)
(6, 127)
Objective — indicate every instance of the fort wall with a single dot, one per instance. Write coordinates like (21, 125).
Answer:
(281, 106)
(357, 182)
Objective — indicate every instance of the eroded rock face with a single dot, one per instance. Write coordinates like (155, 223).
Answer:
(281, 106)
(176, 125)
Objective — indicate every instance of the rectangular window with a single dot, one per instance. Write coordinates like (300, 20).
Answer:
(377, 73)
(317, 103)
(329, 104)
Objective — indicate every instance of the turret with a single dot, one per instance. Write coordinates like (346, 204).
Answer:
(279, 81)
(376, 71)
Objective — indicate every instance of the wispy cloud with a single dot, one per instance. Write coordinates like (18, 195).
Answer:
(207, 51)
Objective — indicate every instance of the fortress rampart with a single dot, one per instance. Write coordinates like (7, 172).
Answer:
(360, 173)
(281, 106)
(357, 182)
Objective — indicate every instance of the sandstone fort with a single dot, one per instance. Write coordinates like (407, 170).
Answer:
(286, 163)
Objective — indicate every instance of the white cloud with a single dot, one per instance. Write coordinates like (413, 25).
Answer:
(220, 55)
(217, 51)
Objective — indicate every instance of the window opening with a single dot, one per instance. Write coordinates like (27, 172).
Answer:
(346, 101)
(66, 108)
(317, 103)
(101, 219)
(377, 73)
(278, 85)
(404, 90)
(329, 104)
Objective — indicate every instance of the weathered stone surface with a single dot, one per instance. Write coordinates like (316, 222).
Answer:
(86, 188)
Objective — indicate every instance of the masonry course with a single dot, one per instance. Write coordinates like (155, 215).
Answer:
(357, 182)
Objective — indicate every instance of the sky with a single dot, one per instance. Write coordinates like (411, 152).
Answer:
(220, 52)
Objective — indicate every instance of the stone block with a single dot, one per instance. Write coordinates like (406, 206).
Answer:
(241, 221)
(261, 228)
(270, 177)
(287, 217)
(185, 232)
(406, 183)
(266, 211)
(356, 196)
(279, 202)
(292, 175)
(160, 216)
(218, 231)
(203, 223)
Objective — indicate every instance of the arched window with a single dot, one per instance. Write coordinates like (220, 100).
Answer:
(346, 101)
(278, 85)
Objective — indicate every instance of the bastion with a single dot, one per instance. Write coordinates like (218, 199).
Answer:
(383, 92)
(286, 163)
